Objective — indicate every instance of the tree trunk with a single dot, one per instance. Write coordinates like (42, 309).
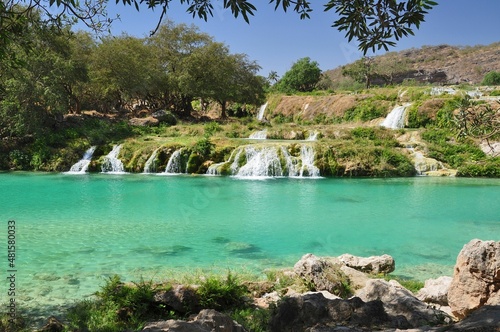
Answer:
(223, 109)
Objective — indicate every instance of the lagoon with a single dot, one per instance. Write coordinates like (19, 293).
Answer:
(74, 231)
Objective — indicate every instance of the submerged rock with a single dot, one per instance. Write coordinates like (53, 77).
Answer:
(476, 279)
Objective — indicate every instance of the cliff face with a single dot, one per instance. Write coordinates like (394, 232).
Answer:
(441, 64)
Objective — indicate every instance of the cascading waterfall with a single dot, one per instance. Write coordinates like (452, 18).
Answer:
(261, 161)
(111, 163)
(150, 165)
(313, 136)
(259, 135)
(307, 154)
(396, 118)
(82, 165)
(260, 114)
(174, 165)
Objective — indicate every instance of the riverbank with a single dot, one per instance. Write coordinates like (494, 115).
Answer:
(318, 292)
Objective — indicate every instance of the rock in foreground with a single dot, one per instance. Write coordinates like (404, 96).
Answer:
(476, 279)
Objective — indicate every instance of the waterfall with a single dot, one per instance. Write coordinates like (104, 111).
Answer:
(313, 136)
(263, 161)
(259, 135)
(111, 163)
(83, 164)
(307, 154)
(174, 165)
(150, 165)
(260, 114)
(396, 118)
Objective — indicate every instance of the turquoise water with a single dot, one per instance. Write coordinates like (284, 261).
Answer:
(74, 231)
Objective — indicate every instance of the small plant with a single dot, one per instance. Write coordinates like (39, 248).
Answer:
(253, 319)
(410, 284)
(117, 306)
(220, 294)
(203, 147)
(211, 128)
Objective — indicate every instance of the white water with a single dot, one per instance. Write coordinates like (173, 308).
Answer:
(260, 114)
(313, 136)
(259, 135)
(265, 161)
(174, 165)
(438, 90)
(83, 164)
(111, 163)
(307, 154)
(150, 165)
(396, 118)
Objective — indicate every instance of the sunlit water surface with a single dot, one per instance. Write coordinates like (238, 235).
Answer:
(73, 231)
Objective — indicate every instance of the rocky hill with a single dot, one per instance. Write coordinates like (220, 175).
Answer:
(443, 64)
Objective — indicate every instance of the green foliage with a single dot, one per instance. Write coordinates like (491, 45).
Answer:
(211, 128)
(364, 132)
(203, 147)
(302, 76)
(225, 294)
(488, 168)
(253, 319)
(118, 306)
(491, 78)
(495, 93)
(410, 284)
(365, 111)
(415, 118)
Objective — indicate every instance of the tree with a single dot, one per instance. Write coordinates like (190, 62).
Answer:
(213, 73)
(373, 23)
(171, 46)
(362, 70)
(120, 72)
(302, 76)
(491, 78)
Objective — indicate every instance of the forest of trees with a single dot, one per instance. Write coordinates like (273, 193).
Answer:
(51, 71)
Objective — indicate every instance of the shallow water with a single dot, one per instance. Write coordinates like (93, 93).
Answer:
(73, 231)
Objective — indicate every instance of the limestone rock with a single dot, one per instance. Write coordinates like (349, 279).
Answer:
(208, 320)
(357, 279)
(476, 279)
(321, 273)
(53, 325)
(143, 122)
(299, 313)
(485, 319)
(435, 291)
(400, 303)
(180, 298)
(373, 264)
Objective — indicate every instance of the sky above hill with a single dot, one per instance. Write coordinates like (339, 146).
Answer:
(276, 40)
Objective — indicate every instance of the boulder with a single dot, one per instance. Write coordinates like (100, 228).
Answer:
(476, 278)
(374, 264)
(435, 291)
(401, 304)
(165, 117)
(208, 320)
(305, 311)
(321, 273)
(180, 298)
(484, 319)
(53, 325)
(143, 122)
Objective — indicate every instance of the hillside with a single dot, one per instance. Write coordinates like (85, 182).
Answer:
(443, 64)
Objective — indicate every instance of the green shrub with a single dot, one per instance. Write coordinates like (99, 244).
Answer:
(220, 294)
(491, 78)
(211, 128)
(364, 132)
(117, 307)
(203, 147)
(253, 319)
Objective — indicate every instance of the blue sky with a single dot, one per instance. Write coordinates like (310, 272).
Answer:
(276, 39)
